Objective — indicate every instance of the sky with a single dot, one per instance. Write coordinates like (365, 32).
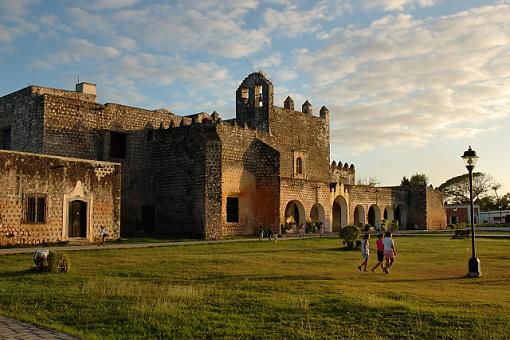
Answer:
(409, 84)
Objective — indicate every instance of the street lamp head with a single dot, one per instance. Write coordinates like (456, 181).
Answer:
(470, 158)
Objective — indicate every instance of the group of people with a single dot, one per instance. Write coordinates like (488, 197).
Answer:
(386, 252)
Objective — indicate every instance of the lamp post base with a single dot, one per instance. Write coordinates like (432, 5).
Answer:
(474, 267)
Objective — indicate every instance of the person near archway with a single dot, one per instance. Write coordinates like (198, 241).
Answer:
(380, 253)
(389, 251)
(365, 253)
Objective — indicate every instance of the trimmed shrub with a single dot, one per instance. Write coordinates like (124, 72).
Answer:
(349, 234)
(58, 262)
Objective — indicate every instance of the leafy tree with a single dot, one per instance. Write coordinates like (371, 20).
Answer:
(349, 234)
(371, 182)
(418, 180)
(456, 189)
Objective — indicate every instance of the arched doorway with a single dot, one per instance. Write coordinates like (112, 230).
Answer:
(339, 213)
(388, 214)
(401, 215)
(295, 213)
(77, 216)
(374, 215)
(317, 213)
(359, 216)
(77, 226)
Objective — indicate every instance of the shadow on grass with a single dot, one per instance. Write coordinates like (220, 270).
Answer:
(463, 277)
(20, 273)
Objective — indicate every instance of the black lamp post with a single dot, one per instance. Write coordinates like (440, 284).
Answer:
(470, 159)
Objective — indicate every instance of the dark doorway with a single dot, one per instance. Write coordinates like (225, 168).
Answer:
(148, 219)
(372, 219)
(337, 215)
(77, 219)
(398, 215)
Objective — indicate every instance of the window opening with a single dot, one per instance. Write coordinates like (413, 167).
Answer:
(232, 209)
(299, 166)
(35, 209)
(244, 95)
(118, 144)
(150, 135)
(258, 96)
(6, 138)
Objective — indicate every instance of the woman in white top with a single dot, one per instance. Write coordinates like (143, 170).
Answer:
(389, 251)
(365, 253)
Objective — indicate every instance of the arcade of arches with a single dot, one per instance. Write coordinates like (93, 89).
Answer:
(296, 214)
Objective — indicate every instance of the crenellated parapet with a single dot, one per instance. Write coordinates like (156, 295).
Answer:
(342, 173)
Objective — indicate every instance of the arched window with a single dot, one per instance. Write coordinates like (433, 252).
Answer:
(244, 95)
(299, 166)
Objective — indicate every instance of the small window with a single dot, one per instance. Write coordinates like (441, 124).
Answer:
(6, 139)
(118, 144)
(232, 209)
(244, 95)
(259, 99)
(299, 166)
(35, 209)
(150, 135)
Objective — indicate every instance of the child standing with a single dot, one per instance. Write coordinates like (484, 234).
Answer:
(365, 252)
(389, 251)
(380, 253)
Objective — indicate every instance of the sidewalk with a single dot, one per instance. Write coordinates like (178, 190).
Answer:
(8, 251)
(14, 329)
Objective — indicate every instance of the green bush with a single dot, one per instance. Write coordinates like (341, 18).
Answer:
(58, 262)
(349, 234)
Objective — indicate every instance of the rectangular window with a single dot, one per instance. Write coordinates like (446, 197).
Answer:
(35, 209)
(6, 139)
(232, 209)
(150, 135)
(118, 144)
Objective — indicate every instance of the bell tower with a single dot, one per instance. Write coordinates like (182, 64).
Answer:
(254, 100)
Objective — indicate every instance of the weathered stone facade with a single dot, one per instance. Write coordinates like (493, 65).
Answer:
(45, 199)
(204, 176)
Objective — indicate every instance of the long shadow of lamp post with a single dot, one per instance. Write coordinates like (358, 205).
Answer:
(470, 159)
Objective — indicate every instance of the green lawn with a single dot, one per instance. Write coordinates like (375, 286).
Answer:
(291, 289)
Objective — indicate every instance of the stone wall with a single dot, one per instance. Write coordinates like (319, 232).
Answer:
(250, 172)
(58, 180)
(436, 214)
(22, 112)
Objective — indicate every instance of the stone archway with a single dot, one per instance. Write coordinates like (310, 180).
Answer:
(295, 213)
(401, 215)
(359, 216)
(388, 214)
(317, 213)
(374, 215)
(339, 213)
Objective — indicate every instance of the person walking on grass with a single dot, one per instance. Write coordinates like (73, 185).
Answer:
(389, 251)
(380, 253)
(365, 253)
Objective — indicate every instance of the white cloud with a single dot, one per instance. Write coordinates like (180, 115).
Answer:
(407, 81)
(111, 4)
(397, 5)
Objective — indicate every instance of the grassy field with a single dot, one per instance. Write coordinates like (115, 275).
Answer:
(291, 289)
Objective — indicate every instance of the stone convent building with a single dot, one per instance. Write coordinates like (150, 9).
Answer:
(71, 165)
